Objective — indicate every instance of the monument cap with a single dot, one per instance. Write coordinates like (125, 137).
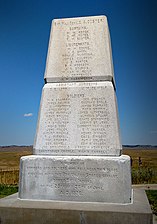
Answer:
(79, 50)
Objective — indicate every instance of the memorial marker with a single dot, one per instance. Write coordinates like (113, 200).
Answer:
(77, 149)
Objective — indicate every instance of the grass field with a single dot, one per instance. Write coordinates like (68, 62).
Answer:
(152, 197)
(10, 156)
(9, 163)
(144, 164)
(6, 190)
(148, 156)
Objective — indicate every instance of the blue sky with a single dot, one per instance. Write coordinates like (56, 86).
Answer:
(24, 35)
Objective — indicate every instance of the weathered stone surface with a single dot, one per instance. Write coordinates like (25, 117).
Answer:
(79, 50)
(76, 178)
(78, 119)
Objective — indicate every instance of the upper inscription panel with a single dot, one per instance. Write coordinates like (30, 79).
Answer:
(78, 119)
(79, 50)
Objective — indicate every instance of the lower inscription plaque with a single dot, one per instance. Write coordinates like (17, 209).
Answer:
(75, 178)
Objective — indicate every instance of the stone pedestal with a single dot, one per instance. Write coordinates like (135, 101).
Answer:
(76, 178)
(14, 210)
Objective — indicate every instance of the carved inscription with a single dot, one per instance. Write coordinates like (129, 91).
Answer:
(76, 119)
(93, 123)
(73, 178)
(79, 21)
(77, 52)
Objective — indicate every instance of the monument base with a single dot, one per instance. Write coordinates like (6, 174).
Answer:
(76, 178)
(14, 210)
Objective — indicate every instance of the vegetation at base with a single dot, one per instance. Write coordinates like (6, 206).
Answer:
(9, 177)
(144, 165)
(6, 190)
(152, 197)
(144, 175)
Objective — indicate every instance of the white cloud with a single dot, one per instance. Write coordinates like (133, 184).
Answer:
(28, 115)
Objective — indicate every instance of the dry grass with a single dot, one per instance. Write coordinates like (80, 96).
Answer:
(10, 156)
(9, 163)
(148, 157)
(144, 165)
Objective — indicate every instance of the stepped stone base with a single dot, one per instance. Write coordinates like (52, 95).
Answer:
(76, 178)
(13, 210)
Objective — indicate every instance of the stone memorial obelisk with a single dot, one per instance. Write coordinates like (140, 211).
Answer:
(77, 149)
(77, 174)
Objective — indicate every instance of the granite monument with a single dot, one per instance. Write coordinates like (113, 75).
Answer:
(77, 148)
